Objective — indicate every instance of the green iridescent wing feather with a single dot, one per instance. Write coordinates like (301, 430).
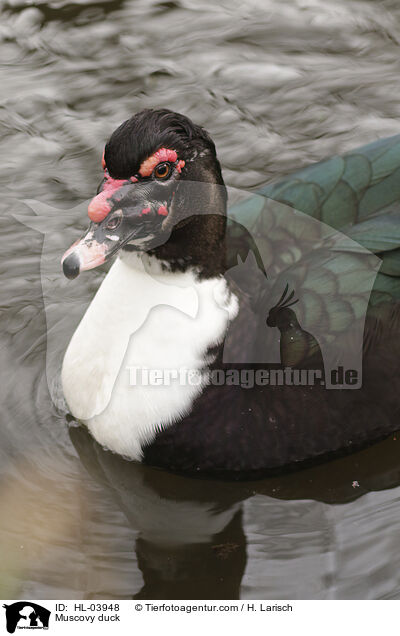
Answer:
(357, 193)
(298, 230)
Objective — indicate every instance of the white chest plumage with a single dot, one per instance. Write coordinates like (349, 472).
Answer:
(142, 318)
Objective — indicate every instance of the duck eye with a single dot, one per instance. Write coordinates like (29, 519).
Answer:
(113, 223)
(162, 171)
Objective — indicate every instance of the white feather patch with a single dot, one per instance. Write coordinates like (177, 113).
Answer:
(142, 316)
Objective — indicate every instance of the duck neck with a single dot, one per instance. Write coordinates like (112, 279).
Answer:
(197, 243)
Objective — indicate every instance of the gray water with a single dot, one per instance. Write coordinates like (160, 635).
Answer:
(278, 85)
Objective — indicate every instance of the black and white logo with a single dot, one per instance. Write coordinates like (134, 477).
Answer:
(26, 615)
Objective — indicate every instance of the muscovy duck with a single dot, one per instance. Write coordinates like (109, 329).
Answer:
(167, 307)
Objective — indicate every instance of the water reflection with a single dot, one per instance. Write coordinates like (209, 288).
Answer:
(193, 541)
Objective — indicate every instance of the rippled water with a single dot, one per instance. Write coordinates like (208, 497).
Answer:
(278, 85)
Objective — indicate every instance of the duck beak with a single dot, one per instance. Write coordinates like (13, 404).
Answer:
(85, 253)
(141, 227)
(122, 212)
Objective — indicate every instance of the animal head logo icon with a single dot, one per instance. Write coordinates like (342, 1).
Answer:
(26, 615)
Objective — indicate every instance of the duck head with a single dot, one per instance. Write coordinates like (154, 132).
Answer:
(162, 192)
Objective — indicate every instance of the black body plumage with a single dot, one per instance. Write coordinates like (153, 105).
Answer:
(231, 429)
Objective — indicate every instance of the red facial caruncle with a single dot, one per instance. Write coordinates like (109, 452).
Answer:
(100, 206)
(163, 154)
(162, 211)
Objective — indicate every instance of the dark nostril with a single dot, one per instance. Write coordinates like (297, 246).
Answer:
(71, 266)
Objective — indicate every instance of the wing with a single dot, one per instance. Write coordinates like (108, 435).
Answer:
(327, 230)
(358, 194)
